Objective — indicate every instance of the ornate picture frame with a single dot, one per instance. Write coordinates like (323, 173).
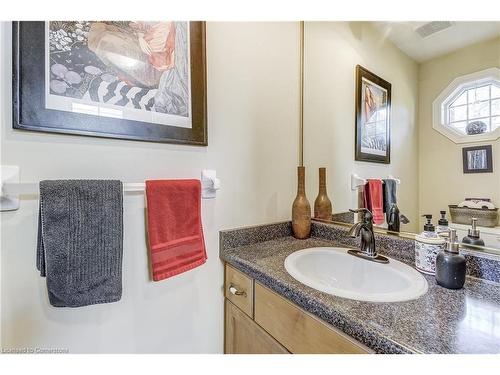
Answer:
(143, 81)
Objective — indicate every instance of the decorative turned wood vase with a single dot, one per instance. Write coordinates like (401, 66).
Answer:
(322, 204)
(301, 209)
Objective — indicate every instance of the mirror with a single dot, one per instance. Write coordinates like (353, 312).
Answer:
(416, 102)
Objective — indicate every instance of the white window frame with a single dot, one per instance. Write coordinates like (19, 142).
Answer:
(450, 93)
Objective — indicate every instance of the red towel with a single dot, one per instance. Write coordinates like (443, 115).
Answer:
(174, 226)
(374, 201)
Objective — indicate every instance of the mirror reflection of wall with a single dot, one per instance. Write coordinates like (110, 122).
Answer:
(445, 97)
(442, 180)
(332, 52)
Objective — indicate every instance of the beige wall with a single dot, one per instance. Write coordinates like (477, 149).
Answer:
(253, 75)
(441, 178)
(333, 49)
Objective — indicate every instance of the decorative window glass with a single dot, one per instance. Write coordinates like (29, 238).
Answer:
(468, 110)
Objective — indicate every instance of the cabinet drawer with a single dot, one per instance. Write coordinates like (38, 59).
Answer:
(238, 288)
(244, 336)
(297, 330)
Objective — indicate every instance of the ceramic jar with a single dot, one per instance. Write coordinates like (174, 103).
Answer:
(427, 248)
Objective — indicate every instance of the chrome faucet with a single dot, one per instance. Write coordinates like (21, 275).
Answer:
(364, 229)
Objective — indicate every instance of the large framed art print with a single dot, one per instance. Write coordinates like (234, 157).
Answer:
(132, 80)
(373, 117)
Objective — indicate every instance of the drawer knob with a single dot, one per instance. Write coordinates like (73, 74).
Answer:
(236, 292)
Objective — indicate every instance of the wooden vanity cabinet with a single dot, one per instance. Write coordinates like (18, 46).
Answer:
(259, 321)
(244, 336)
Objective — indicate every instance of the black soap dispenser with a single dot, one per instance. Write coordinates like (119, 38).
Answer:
(450, 264)
(443, 229)
(428, 226)
(473, 238)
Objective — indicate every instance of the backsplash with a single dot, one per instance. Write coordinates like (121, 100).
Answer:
(483, 266)
(344, 217)
(249, 235)
(402, 249)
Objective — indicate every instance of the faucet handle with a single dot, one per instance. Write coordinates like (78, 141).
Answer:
(367, 215)
(404, 219)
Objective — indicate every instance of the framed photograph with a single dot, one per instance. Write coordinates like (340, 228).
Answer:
(373, 110)
(133, 80)
(477, 159)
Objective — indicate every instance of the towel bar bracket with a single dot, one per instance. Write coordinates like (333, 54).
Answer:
(11, 188)
(9, 176)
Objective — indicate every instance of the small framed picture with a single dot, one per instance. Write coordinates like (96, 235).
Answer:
(373, 123)
(477, 159)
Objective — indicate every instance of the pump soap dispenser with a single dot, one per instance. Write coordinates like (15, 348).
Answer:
(450, 265)
(443, 230)
(473, 238)
(427, 246)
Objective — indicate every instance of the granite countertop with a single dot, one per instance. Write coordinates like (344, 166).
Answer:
(441, 321)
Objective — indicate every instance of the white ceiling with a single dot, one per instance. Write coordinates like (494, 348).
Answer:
(459, 35)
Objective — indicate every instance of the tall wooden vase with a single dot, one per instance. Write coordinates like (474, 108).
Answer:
(301, 209)
(322, 204)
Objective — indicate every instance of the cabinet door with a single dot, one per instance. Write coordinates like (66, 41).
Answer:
(244, 336)
(297, 330)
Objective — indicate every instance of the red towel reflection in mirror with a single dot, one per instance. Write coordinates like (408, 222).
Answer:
(374, 200)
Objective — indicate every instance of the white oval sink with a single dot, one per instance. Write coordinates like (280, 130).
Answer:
(332, 270)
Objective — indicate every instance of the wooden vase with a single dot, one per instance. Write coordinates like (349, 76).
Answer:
(301, 209)
(322, 204)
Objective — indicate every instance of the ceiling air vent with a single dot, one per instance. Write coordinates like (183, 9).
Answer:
(433, 27)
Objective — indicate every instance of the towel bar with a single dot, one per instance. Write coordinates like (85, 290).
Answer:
(16, 188)
(11, 188)
(357, 181)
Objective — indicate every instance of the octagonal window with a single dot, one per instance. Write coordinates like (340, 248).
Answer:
(475, 110)
(468, 110)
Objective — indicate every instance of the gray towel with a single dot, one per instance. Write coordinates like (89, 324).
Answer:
(389, 188)
(80, 241)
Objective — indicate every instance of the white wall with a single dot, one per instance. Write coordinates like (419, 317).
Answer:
(442, 181)
(253, 140)
(333, 49)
